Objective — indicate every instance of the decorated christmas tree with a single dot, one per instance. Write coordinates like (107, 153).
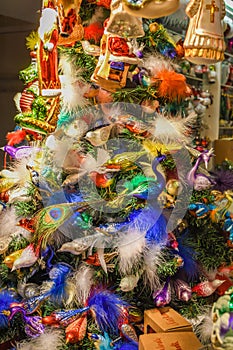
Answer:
(106, 208)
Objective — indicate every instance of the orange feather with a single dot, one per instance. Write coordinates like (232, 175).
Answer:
(173, 85)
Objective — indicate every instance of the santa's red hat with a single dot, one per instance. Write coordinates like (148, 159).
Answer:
(48, 4)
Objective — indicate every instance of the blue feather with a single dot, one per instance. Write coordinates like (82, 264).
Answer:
(189, 256)
(108, 309)
(6, 298)
(58, 275)
(129, 346)
(151, 221)
(103, 341)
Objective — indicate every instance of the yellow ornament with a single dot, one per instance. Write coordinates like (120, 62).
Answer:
(10, 259)
(154, 27)
(173, 187)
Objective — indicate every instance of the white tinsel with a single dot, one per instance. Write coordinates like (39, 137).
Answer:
(51, 339)
(130, 247)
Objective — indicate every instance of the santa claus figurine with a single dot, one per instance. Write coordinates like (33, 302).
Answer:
(49, 82)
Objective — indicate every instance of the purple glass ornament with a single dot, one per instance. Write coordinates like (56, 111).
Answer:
(19, 152)
(183, 290)
(33, 326)
(139, 54)
(162, 296)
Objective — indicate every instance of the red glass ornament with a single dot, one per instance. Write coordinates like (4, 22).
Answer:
(76, 331)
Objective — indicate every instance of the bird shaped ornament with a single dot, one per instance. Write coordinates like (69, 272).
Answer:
(200, 181)
(207, 288)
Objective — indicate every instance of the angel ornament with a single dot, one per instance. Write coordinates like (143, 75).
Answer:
(204, 41)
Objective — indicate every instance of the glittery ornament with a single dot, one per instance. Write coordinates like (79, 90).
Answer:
(206, 288)
(76, 331)
(10, 259)
(129, 332)
(183, 290)
(162, 296)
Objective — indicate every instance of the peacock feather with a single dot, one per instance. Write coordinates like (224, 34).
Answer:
(49, 219)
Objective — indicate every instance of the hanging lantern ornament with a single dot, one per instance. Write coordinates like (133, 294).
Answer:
(150, 8)
(122, 23)
(204, 41)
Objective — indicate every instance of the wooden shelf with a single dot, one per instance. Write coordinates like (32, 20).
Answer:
(226, 127)
(227, 86)
(227, 54)
(193, 77)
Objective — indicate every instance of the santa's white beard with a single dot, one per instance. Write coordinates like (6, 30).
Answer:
(47, 22)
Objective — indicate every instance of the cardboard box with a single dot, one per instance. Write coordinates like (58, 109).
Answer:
(165, 320)
(169, 341)
(223, 149)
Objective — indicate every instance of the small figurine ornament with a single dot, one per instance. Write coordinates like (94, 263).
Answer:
(117, 53)
(198, 180)
(47, 54)
(70, 27)
(204, 41)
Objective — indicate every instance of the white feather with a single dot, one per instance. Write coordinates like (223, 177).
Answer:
(18, 170)
(51, 339)
(83, 280)
(153, 257)
(169, 130)
(8, 224)
(130, 247)
(100, 252)
(203, 328)
(73, 86)
(155, 63)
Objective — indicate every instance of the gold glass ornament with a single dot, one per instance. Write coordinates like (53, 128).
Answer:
(150, 8)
